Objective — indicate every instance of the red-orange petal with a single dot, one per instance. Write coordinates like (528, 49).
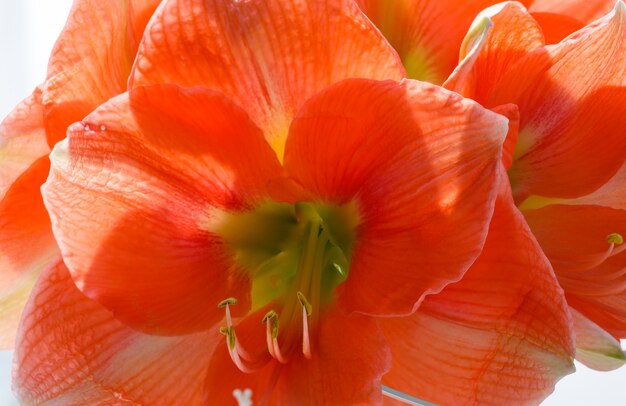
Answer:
(513, 35)
(92, 59)
(132, 193)
(346, 367)
(575, 237)
(600, 293)
(556, 27)
(72, 351)
(426, 33)
(501, 335)
(26, 245)
(420, 163)
(570, 93)
(270, 56)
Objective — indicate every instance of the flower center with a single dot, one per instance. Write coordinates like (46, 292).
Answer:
(295, 255)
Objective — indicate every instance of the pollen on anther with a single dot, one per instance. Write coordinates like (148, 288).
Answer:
(305, 303)
(615, 238)
(227, 301)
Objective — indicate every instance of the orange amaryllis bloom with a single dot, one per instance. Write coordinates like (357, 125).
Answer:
(428, 33)
(89, 64)
(308, 221)
(567, 162)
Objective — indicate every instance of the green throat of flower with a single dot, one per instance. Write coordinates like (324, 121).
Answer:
(295, 255)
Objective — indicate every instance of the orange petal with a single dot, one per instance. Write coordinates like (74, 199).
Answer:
(556, 27)
(92, 58)
(600, 293)
(595, 347)
(22, 140)
(132, 193)
(426, 33)
(514, 34)
(26, 245)
(575, 237)
(583, 10)
(511, 112)
(420, 163)
(501, 335)
(568, 94)
(346, 368)
(73, 351)
(268, 55)
(611, 194)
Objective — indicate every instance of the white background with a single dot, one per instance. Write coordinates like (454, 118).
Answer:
(28, 29)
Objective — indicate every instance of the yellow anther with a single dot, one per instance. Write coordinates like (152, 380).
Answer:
(224, 331)
(228, 301)
(231, 338)
(615, 238)
(305, 303)
(270, 315)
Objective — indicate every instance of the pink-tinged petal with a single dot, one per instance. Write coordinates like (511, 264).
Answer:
(611, 194)
(72, 351)
(576, 237)
(270, 56)
(501, 335)
(595, 347)
(420, 164)
(583, 10)
(26, 245)
(600, 293)
(348, 362)
(22, 140)
(511, 112)
(92, 59)
(132, 193)
(570, 93)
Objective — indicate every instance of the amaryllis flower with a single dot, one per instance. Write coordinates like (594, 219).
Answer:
(428, 33)
(89, 64)
(566, 164)
(238, 225)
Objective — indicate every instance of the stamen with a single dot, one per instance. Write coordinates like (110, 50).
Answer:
(231, 340)
(271, 330)
(615, 238)
(271, 336)
(278, 354)
(307, 309)
(226, 302)
(305, 303)
(245, 365)
(306, 342)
